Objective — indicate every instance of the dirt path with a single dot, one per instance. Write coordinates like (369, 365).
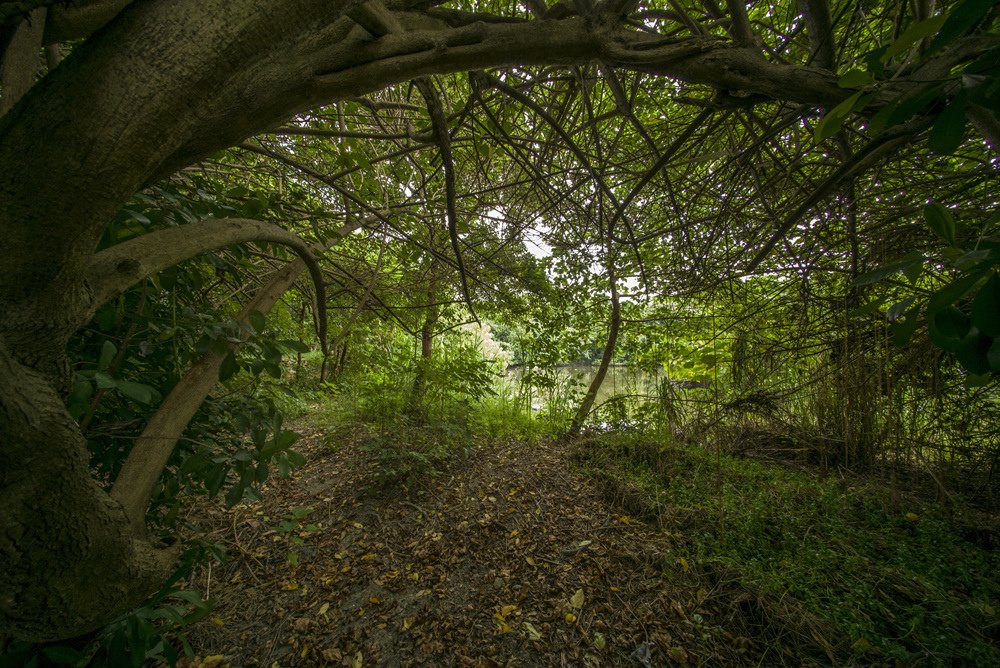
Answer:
(509, 558)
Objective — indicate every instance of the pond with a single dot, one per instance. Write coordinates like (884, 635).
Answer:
(568, 383)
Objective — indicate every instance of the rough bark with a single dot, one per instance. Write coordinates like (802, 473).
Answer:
(19, 59)
(70, 564)
(114, 270)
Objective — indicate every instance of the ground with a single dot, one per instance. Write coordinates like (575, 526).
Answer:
(509, 556)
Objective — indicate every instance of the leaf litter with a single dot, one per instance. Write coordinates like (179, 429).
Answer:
(507, 558)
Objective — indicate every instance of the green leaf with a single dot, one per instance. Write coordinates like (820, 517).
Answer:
(958, 22)
(144, 394)
(986, 307)
(104, 381)
(993, 356)
(902, 330)
(295, 346)
(108, 351)
(215, 478)
(941, 221)
(229, 366)
(855, 79)
(135, 215)
(949, 128)
(951, 293)
(257, 321)
(834, 119)
(972, 352)
(235, 494)
(61, 656)
(913, 34)
(952, 323)
(876, 275)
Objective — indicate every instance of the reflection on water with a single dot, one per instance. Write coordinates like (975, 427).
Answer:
(569, 383)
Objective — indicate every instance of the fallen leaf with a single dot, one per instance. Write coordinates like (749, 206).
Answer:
(323, 608)
(359, 660)
(408, 622)
(532, 632)
(577, 600)
(599, 641)
(570, 618)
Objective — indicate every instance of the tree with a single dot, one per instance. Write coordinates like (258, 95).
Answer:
(156, 86)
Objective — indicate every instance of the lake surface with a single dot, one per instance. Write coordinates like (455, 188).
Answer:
(568, 384)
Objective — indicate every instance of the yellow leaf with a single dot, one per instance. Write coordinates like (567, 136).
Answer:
(507, 609)
(323, 608)
(210, 661)
(912, 517)
(369, 556)
(374, 600)
(291, 586)
(532, 632)
(408, 622)
(305, 650)
(625, 519)
(577, 600)
(684, 564)
(359, 660)
(218, 621)
(531, 561)
(358, 525)
(570, 618)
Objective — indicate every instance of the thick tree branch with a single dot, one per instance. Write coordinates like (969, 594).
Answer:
(19, 61)
(819, 28)
(114, 270)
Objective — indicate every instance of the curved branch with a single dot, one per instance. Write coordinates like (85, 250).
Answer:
(443, 138)
(114, 270)
(142, 468)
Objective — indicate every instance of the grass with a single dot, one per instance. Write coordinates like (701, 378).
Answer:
(857, 571)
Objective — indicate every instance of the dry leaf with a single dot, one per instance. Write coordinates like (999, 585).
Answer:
(577, 600)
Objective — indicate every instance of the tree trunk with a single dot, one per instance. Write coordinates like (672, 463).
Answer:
(609, 353)
(70, 562)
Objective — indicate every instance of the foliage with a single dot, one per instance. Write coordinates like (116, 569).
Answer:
(897, 578)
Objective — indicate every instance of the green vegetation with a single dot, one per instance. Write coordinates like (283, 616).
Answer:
(851, 563)
(744, 256)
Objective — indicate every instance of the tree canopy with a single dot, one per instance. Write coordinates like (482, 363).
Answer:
(428, 162)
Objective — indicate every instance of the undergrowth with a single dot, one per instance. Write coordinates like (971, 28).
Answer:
(844, 570)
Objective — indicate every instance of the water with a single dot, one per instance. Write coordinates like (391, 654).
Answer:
(568, 384)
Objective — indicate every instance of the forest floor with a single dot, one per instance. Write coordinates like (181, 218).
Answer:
(509, 556)
(613, 550)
